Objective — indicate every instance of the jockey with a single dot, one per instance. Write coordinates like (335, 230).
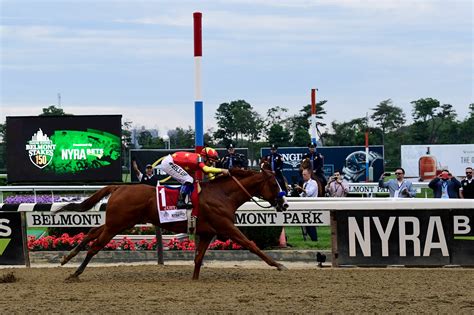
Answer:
(177, 164)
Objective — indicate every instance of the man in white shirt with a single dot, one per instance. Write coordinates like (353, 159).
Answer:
(310, 186)
(309, 189)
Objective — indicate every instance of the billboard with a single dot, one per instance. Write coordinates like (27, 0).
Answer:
(350, 160)
(429, 237)
(150, 156)
(427, 161)
(64, 148)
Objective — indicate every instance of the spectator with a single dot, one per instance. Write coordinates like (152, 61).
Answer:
(232, 159)
(445, 186)
(399, 187)
(310, 186)
(148, 178)
(467, 185)
(337, 186)
(275, 161)
(316, 162)
(309, 189)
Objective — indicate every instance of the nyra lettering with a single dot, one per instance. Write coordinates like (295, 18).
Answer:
(5, 230)
(434, 239)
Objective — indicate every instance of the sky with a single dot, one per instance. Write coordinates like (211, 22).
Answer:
(136, 58)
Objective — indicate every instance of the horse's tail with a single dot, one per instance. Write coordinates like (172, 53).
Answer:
(89, 202)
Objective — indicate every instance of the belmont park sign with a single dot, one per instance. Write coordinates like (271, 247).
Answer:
(242, 218)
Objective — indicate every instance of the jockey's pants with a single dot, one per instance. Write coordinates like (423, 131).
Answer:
(174, 170)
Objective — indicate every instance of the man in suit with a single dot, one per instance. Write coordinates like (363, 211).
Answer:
(399, 187)
(445, 186)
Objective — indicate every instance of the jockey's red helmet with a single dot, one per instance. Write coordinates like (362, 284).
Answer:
(209, 153)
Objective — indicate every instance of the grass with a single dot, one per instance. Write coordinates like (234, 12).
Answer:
(295, 238)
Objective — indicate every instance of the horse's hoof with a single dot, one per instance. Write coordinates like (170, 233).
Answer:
(281, 267)
(63, 261)
(72, 278)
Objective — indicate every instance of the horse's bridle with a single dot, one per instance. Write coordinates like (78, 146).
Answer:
(248, 194)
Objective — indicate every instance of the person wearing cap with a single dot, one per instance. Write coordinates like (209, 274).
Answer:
(317, 162)
(148, 178)
(232, 159)
(445, 186)
(275, 161)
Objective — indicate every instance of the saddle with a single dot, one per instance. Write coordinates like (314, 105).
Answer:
(167, 198)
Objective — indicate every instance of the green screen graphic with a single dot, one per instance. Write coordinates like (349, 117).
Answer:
(3, 244)
(77, 151)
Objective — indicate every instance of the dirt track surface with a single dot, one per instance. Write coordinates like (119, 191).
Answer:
(236, 288)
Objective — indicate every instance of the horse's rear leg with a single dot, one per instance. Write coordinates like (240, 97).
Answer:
(237, 236)
(91, 235)
(204, 241)
(103, 239)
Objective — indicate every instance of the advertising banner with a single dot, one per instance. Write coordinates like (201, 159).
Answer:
(12, 251)
(435, 237)
(64, 148)
(150, 156)
(427, 161)
(348, 160)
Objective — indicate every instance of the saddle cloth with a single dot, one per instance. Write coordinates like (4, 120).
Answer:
(167, 198)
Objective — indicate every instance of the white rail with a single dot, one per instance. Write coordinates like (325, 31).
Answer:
(364, 189)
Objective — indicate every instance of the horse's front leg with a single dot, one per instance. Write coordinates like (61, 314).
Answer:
(204, 241)
(237, 236)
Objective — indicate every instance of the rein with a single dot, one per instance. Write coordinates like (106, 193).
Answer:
(248, 194)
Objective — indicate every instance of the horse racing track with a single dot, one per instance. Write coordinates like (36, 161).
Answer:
(237, 288)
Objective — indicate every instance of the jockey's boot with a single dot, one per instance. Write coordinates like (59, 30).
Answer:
(186, 190)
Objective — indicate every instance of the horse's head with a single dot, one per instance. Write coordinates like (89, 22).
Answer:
(272, 192)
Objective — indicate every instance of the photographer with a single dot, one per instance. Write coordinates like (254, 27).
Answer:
(445, 186)
(337, 186)
(400, 187)
(309, 189)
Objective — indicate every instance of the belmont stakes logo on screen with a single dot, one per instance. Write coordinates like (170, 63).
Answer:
(40, 149)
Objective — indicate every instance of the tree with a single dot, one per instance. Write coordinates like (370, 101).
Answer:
(181, 138)
(145, 138)
(274, 116)
(301, 137)
(279, 135)
(300, 121)
(52, 110)
(347, 133)
(237, 119)
(388, 117)
(429, 116)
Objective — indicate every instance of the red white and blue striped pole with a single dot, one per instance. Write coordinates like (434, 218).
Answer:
(312, 119)
(198, 103)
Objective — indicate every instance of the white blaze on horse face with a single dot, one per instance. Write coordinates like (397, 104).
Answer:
(285, 202)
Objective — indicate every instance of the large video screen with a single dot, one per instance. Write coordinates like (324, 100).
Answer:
(64, 149)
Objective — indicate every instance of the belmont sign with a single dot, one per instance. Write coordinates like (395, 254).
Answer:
(242, 218)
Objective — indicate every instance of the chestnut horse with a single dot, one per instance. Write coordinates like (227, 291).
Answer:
(219, 199)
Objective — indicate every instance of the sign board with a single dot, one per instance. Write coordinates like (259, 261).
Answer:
(12, 242)
(434, 237)
(348, 160)
(454, 157)
(242, 218)
(64, 148)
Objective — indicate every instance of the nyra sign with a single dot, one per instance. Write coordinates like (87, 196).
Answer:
(11, 239)
(402, 237)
